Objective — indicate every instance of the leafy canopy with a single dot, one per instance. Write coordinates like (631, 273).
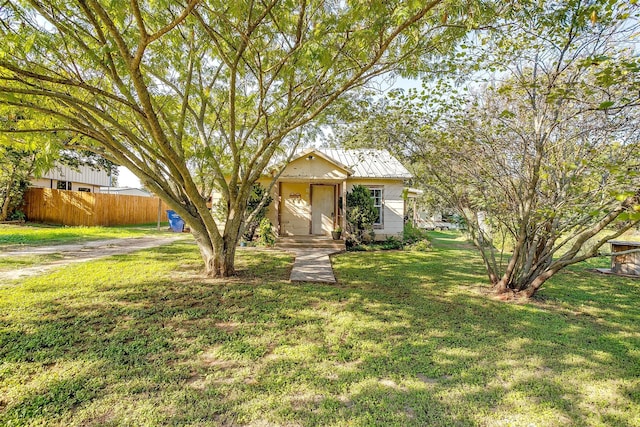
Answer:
(541, 157)
(196, 96)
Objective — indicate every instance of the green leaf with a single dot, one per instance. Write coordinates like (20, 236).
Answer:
(605, 105)
(623, 196)
(28, 43)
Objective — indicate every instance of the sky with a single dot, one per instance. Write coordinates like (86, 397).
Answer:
(127, 179)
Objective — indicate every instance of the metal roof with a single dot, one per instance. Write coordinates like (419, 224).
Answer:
(368, 163)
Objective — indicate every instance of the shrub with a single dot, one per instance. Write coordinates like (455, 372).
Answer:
(354, 246)
(266, 235)
(361, 212)
(413, 234)
(18, 215)
(420, 246)
(11, 196)
(257, 194)
(392, 243)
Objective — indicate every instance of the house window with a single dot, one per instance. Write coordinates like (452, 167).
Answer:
(85, 189)
(377, 195)
(64, 185)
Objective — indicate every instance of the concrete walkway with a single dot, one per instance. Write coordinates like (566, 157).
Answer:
(80, 252)
(312, 265)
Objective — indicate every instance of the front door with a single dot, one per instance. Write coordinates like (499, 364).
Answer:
(295, 215)
(322, 209)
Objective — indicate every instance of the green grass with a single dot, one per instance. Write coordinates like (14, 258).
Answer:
(406, 338)
(37, 234)
(632, 235)
(12, 263)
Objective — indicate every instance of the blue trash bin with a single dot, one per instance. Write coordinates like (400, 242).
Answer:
(175, 222)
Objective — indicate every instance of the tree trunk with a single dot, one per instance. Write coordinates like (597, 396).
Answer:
(525, 289)
(536, 283)
(501, 287)
(219, 261)
(4, 212)
(224, 260)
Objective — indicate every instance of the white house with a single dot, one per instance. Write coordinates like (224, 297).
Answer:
(66, 178)
(310, 194)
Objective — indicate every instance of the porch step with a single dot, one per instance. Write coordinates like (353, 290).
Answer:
(310, 242)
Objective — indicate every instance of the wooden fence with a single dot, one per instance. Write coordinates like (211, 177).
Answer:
(90, 209)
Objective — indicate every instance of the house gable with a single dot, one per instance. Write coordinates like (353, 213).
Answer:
(313, 165)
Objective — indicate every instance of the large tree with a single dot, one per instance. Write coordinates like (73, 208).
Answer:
(541, 158)
(176, 90)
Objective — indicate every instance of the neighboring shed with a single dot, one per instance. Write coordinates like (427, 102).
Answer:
(627, 263)
(83, 178)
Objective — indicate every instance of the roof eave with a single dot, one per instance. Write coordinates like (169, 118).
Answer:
(382, 177)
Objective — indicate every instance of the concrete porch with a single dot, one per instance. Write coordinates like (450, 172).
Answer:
(321, 243)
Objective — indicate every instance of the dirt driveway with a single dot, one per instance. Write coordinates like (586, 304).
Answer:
(79, 252)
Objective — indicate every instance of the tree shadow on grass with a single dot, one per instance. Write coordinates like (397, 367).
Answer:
(411, 345)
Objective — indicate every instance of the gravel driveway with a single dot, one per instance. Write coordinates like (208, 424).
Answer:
(79, 252)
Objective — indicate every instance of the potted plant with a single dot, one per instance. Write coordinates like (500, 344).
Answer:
(337, 233)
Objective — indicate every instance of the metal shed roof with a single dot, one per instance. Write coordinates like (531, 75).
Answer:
(368, 163)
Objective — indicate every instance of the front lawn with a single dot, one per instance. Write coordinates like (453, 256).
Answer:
(407, 338)
(24, 261)
(38, 234)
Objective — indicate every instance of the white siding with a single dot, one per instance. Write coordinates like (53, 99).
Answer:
(84, 175)
(53, 183)
(393, 205)
(43, 183)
